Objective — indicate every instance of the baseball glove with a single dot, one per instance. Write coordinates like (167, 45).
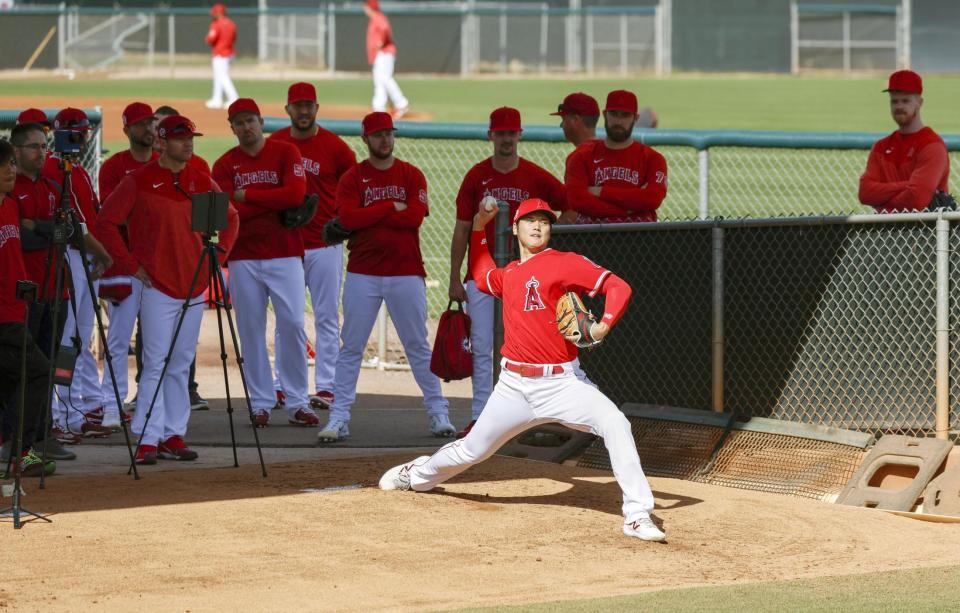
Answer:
(334, 233)
(574, 320)
(300, 215)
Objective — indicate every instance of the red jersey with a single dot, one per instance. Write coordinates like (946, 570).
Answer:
(37, 200)
(222, 36)
(904, 170)
(326, 157)
(529, 291)
(379, 37)
(11, 263)
(525, 181)
(272, 181)
(633, 182)
(116, 168)
(155, 204)
(385, 242)
(198, 163)
(83, 198)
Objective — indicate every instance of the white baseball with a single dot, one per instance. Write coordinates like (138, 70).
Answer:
(488, 203)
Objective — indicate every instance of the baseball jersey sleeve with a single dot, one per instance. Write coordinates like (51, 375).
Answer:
(111, 173)
(577, 180)
(344, 157)
(583, 275)
(651, 192)
(932, 161)
(467, 200)
(200, 164)
(874, 189)
(483, 269)
(552, 190)
(353, 216)
(116, 209)
(293, 186)
(224, 180)
(417, 207)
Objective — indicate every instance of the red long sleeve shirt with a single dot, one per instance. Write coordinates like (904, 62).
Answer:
(155, 205)
(37, 200)
(11, 263)
(116, 168)
(272, 180)
(379, 37)
(385, 242)
(904, 170)
(633, 182)
(222, 36)
(529, 291)
(83, 198)
(326, 158)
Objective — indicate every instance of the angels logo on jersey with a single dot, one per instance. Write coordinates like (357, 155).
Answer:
(533, 302)
(298, 170)
(7, 232)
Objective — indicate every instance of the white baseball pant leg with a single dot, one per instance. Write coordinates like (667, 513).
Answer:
(385, 85)
(323, 271)
(222, 83)
(159, 314)
(252, 283)
(518, 403)
(83, 394)
(123, 318)
(480, 308)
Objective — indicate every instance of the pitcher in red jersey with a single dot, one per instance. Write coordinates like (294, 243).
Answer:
(538, 383)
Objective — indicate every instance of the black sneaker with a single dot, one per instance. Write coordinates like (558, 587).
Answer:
(55, 450)
(197, 403)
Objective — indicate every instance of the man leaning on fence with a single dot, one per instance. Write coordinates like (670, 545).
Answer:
(906, 170)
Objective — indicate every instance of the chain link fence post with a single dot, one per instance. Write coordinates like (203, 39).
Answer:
(943, 328)
(501, 255)
(717, 326)
(703, 163)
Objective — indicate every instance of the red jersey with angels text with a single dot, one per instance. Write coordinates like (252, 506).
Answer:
(385, 241)
(272, 180)
(379, 37)
(11, 263)
(156, 206)
(117, 167)
(83, 198)
(326, 157)
(633, 182)
(37, 200)
(529, 291)
(525, 181)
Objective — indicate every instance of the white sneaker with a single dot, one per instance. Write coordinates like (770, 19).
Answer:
(398, 477)
(441, 427)
(335, 430)
(212, 104)
(399, 113)
(642, 527)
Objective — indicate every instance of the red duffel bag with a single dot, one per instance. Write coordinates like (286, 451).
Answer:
(452, 357)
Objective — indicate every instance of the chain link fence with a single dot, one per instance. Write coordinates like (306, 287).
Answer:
(89, 158)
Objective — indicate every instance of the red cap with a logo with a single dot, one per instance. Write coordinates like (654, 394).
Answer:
(218, 9)
(533, 205)
(578, 103)
(301, 92)
(177, 126)
(377, 122)
(621, 100)
(136, 112)
(32, 116)
(242, 105)
(505, 119)
(905, 81)
(71, 119)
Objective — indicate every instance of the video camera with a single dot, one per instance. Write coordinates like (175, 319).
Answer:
(68, 142)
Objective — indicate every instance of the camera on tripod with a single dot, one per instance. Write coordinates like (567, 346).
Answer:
(68, 142)
(209, 212)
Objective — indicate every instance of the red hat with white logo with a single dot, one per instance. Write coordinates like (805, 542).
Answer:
(621, 100)
(71, 119)
(136, 112)
(505, 119)
(32, 116)
(177, 126)
(533, 205)
(905, 81)
(242, 105)
(578, 103)
(301, 92)
(377, 122)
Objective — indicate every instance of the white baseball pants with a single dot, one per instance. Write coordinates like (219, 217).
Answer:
(519, 403)
(158, 322)
(222, 83)
(280, 280)
(406, 299)
(385, 85)
(123, 318)
(83, 395)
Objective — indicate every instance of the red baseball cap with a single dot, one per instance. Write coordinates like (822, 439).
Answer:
(218, 9)
(533, 205)
(377, 122)
(578, 103)
(621, 100)
(136, 112)
(300, 92)
(374, 4)
(32, 116)
(905, 81)
(177, 126)
(71, 119)
(242, 105)
(505, 119)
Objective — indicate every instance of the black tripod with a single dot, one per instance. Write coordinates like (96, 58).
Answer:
(67, 230)
(25, 291)
(221, 299)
